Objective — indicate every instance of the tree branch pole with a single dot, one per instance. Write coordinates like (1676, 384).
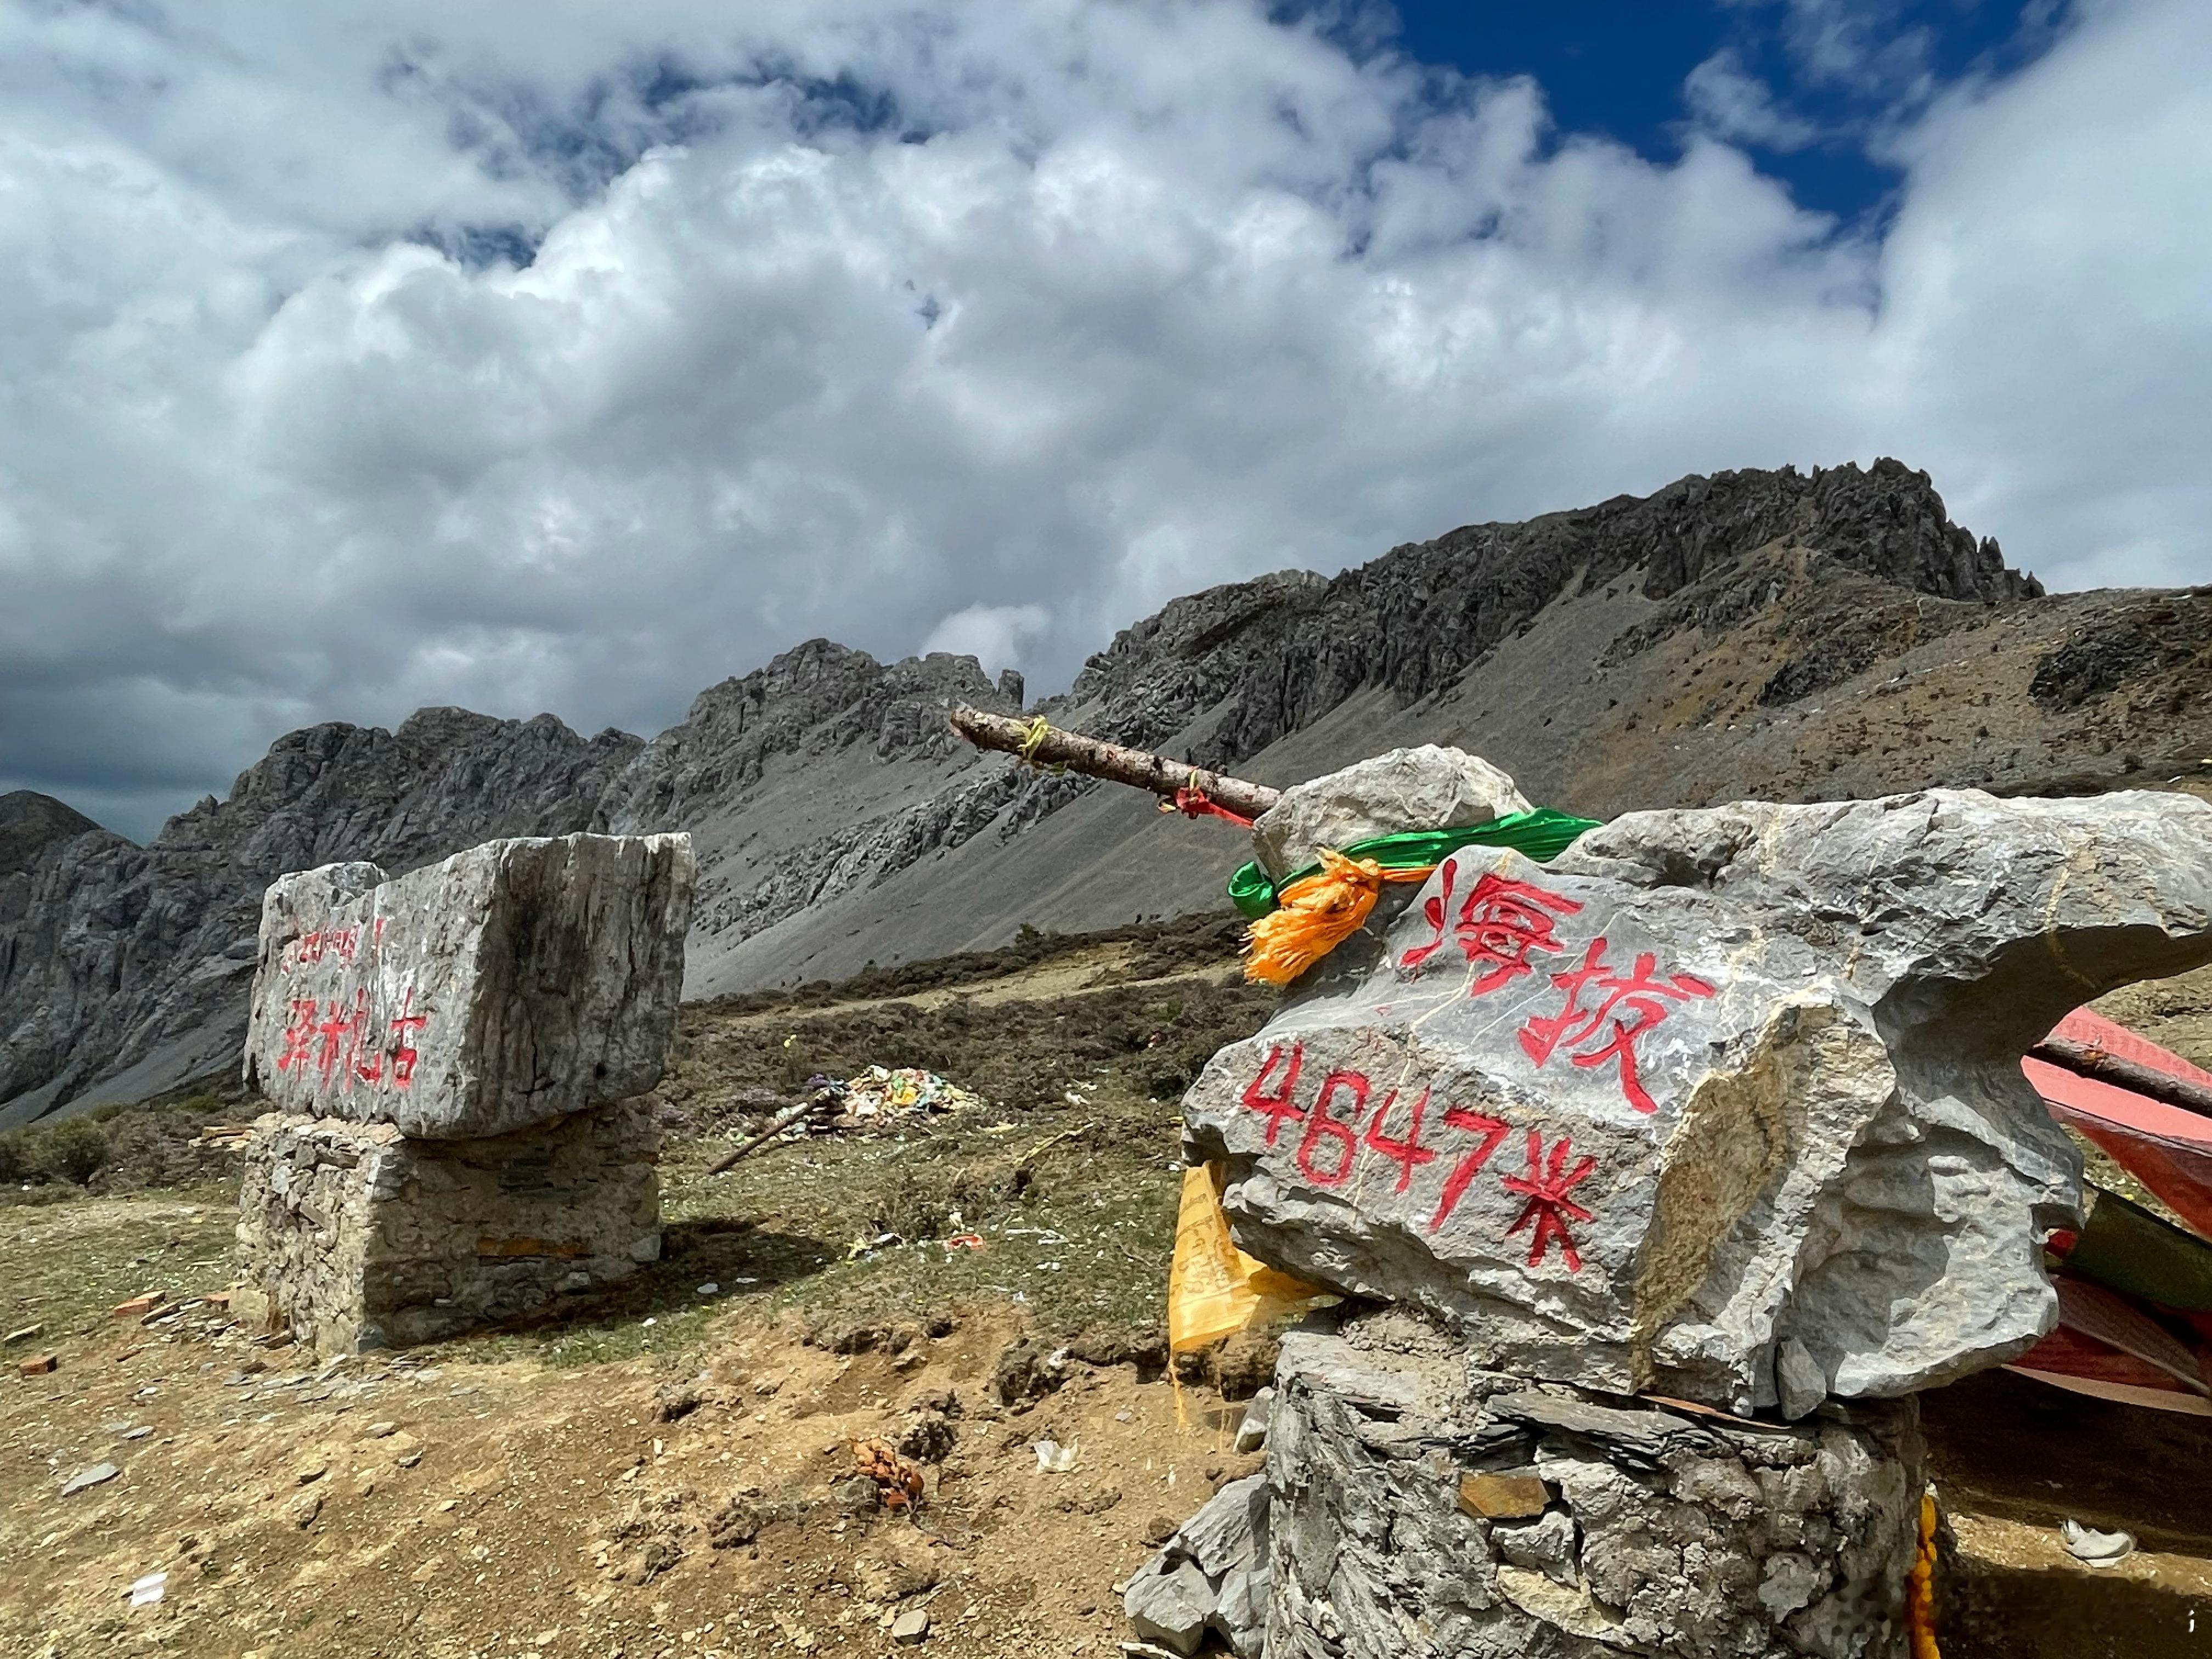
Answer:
(1110, 761)
(2087, 1060)
(814, 1103)
(1164, 777)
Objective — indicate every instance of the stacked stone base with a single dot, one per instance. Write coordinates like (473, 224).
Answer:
(352, 1236)
(1424, 1509)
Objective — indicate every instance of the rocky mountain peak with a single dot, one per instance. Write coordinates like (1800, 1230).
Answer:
(1786, 635)
(31, 823)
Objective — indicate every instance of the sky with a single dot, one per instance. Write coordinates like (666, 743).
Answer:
(563, 355)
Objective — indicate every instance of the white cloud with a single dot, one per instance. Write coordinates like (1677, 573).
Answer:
(1731, 103)
(996, 635)
(992, 327)
(1858, 46)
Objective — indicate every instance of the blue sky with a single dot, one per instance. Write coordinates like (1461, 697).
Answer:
(553, 355)
(1839, 72)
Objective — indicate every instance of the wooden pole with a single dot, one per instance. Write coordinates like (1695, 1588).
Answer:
(1110, 761)
(783, 1120)
(2090, 1061)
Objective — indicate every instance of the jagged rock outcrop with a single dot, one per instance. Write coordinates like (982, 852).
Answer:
(1283, 652)
(1789, 635)
(814, 776)
(31, 823)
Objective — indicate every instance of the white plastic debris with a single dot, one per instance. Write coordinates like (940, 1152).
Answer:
(149, 1589)
(1053, 1458)
(710, 1288)
(2098, 1549)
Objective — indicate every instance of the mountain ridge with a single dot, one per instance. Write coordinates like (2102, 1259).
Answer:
(1753, 632)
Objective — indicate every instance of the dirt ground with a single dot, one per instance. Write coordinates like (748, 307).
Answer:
(667, 1469)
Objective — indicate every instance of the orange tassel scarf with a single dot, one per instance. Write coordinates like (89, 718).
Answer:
(1316, 916)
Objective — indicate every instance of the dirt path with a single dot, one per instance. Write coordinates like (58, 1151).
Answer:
(1087, 974)
(389, 1508)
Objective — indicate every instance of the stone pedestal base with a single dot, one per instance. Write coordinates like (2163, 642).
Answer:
(1424, 1509)
(352, 1236)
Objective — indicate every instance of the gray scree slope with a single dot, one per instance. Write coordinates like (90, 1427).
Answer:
(1786, 635)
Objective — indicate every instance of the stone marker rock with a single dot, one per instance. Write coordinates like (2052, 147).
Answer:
(1429, 788)
(1663, 1533)
(1710, 1083)
(513, 983)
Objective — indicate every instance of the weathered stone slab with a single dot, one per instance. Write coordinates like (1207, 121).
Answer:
(353, 1236)
(1712, 1083)
(511, 984)
(1429, 788)
(1693, 1537)
(1212, 1575)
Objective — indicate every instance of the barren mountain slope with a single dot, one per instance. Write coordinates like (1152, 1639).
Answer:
(1780, 634)
(1753, 633)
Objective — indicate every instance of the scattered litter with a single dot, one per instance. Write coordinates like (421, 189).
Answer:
(149, 1589)
(98, 1476)
(139, 1433)
(38, 1364)
(1053, 1458)
(964, 1242)
(22, 1334)
(2098, 1549)
(898, 1483)
(742, 1280)
(710, 1288)
(876, 1096)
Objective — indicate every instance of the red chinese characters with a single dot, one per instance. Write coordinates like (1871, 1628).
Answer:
(327, 1037)
(1546, 1187)
(1500, 926)
(342, 943)
(1338, 1134)
(403, 1053)
(1503, 924)
(1623, 1008)
(298, 1035)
